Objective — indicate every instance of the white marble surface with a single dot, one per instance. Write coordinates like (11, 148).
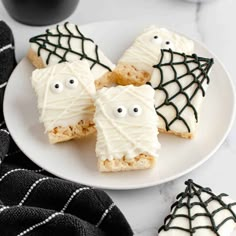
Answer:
(211, 22)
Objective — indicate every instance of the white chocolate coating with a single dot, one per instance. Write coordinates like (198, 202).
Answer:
(168, 111)
(69, 105)
(75, 45)
(129, 134)
(146, 49)
(225, 230)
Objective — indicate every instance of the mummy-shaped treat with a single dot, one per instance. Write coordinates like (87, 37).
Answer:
(67, 43)
(200, 212)
(126, 124)
(180, 82)
(136, 64)
(65, 94)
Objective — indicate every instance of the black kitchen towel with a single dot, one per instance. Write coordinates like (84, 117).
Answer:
(34, 202)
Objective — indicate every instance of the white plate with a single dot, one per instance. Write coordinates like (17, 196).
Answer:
(76, 160)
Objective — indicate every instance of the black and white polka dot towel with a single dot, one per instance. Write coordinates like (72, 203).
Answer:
(34, 202)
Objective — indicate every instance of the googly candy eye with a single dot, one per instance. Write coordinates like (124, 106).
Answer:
(120, 111)
(72, 82)
(156, 39)
(56, 87)
(167, 45)
(135, 110)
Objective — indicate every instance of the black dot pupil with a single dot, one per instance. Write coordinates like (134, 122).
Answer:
(155, 37)
(167, 42)
(135, 109)
(56, 86)
(71, 81)
(119, 110)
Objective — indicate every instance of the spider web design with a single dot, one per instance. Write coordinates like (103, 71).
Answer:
(196, 67)
(184, 200)
(44, 43)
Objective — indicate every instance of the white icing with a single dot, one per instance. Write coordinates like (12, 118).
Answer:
(70, 105)
(72, 82)
(135, 110)
(126, 135)
(120, 111)
(156, 40)
(168, 45)
(180, 100)
(146, 49)
(225, 230)
(76, 45)
(56, 86)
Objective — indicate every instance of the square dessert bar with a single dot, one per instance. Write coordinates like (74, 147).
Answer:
(126, 125)
(180, 82)
(67, 43)
(136, 64)
(65, 94)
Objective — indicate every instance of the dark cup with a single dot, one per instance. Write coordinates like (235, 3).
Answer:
(40, 12)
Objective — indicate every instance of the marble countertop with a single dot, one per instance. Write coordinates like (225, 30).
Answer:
(213, 23)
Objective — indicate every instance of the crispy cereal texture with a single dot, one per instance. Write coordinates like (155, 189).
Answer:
(62, 134)
(105, 81)
(140, 162)
(125, 74)
(35, 59)
(182, 135)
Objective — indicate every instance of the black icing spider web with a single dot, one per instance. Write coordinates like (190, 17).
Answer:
(44, 43)
(184, 200)
(196, 67)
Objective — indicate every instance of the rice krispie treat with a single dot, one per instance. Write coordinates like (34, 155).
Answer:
(126, 125)
(200, 212)
(180, 82)
(65, 94)
(67, 43)
(136, 65)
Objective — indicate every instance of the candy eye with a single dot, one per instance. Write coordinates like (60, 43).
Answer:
(135, 110)
(156, 39)
(72, 82)
(120, 111)
(167, 45)
(56, 87)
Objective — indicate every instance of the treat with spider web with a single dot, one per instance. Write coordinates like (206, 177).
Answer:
(180, 82)
(67, 43)
(200, 212)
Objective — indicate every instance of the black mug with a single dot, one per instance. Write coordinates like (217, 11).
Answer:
(40, 12)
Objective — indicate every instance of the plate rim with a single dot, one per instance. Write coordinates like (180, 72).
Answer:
(156, 182)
